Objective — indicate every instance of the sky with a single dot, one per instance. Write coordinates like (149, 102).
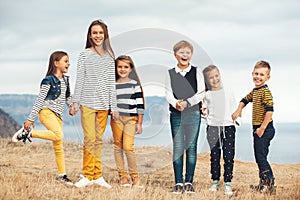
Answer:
(232, 34)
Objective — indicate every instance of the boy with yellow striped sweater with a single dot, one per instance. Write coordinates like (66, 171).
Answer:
(263, 129)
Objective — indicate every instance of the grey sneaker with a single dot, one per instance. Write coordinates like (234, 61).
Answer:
(214, 186)
(188, 188)
(227, 188)
(64, 179)
(178, 188)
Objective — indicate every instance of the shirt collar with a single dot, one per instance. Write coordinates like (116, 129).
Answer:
(186, 70)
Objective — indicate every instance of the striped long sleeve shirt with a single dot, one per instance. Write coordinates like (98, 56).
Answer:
(262, 102)
(95, 81)
(57, 105)
(130, 98)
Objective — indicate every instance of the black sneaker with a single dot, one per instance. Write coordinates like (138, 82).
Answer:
(21, 134)
(178, 189)
(188, 188)
(64, 179)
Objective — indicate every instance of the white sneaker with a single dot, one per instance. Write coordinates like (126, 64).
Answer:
(100, 181)
(227, 188)
(21, 134)
(83, 182)
(214, 186)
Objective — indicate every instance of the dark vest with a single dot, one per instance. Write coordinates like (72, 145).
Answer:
(184, 87)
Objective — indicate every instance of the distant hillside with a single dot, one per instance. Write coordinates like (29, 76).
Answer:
(8, 126)
(19, 107)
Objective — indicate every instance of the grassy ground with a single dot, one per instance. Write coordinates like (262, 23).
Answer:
(28, 172)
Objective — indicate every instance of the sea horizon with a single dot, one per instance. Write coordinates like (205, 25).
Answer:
(284, 148)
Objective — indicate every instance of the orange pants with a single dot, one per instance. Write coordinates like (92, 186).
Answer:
(123, 132)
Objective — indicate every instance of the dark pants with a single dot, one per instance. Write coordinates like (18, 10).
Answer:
(185, 131)
(221, 137)
(261, 151)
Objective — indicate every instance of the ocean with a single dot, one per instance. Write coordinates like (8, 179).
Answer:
(284, 148)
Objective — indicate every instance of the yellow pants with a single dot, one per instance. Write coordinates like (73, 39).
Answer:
(54, 133)
(123, 132)
(93, 123)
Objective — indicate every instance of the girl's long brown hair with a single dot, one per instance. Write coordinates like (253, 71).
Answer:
(55, 56)
(133, 74)
(106, 43)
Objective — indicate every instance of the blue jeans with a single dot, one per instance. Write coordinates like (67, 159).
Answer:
(185, 131)
(261, 151)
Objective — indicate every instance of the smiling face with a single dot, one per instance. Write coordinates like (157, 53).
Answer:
(123, 70)
(97, 35)
(214, 80)
(260, 76)
(183, 56)
(62, 65)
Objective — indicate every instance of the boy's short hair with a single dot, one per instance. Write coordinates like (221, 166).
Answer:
(182, 44)
(263, 64)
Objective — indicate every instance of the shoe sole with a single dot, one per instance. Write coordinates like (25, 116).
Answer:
(138, 186)
(189, 192)
(14, 137)
(125, 185)
(66, 183)
(83, 185)
(177, 192)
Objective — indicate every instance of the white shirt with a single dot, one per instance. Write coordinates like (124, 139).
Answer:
(219, 106)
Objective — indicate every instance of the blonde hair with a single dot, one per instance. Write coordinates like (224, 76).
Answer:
(263, 64)
(182, 44)
(205, 72)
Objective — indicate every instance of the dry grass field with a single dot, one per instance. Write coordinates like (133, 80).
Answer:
(28, 172)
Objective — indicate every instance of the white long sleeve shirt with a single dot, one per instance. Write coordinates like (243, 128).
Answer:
(219, 106)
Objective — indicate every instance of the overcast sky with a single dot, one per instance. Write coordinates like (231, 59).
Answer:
(231, 34)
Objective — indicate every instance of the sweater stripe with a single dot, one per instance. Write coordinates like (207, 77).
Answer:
(95, 81)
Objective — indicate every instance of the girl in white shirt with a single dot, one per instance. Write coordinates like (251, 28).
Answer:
(218, 105)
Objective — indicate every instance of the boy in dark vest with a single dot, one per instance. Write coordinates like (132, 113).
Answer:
(184, 92)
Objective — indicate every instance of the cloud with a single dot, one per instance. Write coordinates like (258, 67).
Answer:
(234, 34)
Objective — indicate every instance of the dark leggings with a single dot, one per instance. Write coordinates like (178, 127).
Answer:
(221, 137)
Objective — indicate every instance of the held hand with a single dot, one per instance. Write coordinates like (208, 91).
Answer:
(235, 115)
(115, 115)
(73, 109)
(183, 104)
(203, 111)
(179, 107)
(139, 128)
(28, 124)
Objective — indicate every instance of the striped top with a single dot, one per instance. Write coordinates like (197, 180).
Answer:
(57, 105)
(95, 81)
(130, 98)
(262, 102)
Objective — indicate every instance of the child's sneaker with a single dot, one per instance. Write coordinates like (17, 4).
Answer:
(214, 185)
(21, 134)
(124, 182)
(188, 188)
(178, 188)
(100, 181)
(83, 182)
(64, 179)
(137, 183)
(227, 188)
